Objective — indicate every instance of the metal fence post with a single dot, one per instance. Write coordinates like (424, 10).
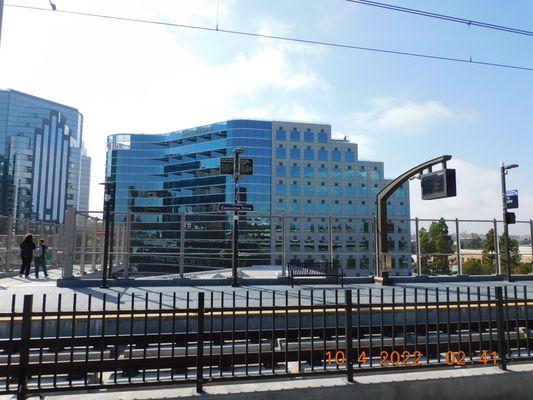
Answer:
(418, 256)
(349, 336)
(531, 236)
(459, 264)
(127, 242)
(283, 246)
(200, 345)
(69, 243)
(24, 350)
(330, 240)
(83, 245)
(94, 240)
(497, 248)
(182, 244)
(9, 240)
(502, 348)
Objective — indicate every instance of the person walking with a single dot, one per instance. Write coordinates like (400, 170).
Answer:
(40, 258)
(26, 254)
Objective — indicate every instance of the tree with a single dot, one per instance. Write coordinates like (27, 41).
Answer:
(488, 252)
(436, 245)
(513, 251)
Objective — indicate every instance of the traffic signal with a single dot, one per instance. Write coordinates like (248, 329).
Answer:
(510, 218)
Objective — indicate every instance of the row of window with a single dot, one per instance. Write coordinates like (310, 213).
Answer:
(324, 172)
(308, 136)
(295, 153)
(335, 207)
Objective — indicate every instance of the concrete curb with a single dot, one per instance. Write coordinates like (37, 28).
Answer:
(444, 384)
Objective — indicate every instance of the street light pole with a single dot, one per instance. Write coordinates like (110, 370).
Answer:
(236, 177)
(503, 172)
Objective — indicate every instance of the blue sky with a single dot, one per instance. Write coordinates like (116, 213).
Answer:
(128, 77)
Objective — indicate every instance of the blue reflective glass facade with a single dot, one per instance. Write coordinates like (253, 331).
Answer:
(303, 177)
(44, 168)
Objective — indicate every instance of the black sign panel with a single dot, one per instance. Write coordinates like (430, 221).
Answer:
(235, 207)
(226, 166)
(246, 166)
(438, 185)
(512, 199)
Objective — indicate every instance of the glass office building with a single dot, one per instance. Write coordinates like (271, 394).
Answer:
(312, 197)
(44, 168)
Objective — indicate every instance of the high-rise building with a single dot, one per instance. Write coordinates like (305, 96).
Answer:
(312, 197)
(44, 168)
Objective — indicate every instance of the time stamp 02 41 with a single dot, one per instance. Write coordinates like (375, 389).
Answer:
(406, 358)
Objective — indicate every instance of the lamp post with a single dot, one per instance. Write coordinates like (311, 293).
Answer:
(107, 200)
(503, 171)
(236, 176)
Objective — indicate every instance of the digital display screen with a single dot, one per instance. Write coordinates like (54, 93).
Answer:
(438, 185)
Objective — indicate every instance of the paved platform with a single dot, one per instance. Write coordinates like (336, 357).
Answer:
(165, 295)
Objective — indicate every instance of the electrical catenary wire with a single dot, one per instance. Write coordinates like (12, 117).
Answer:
(281, 38)
(469, 22)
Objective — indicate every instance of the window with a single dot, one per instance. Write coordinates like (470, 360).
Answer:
(308, 171)
(322, 154)
(322, 189)
(280, 170)
(295, 189)
(308, 189)
(308, 136)
(335, 189)
(295, 171)
(309, 154)
(280, 152)
(295, 136)
(295, 153)
(362, 173)
(336, 172)
(322, 171)
(281, 135)
(322, 137)
(335, 155)
(280, 189)
(349, 156)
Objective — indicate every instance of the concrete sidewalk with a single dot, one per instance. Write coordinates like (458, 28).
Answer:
(447, 384)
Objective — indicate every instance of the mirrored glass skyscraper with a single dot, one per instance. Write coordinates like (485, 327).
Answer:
(44, 168)
(312, 196)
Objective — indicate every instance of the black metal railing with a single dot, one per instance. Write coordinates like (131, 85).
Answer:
(196, 338)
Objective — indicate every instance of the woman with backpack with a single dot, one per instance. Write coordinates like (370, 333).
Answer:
(26, 254)
(41, 258)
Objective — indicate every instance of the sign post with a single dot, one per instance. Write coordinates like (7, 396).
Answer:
(236, 166)
(508, 218)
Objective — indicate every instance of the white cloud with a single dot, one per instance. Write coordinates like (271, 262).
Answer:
(127, 77)
(404, 117)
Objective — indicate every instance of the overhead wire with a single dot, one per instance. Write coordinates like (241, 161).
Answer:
(466, 21)
(279, 37)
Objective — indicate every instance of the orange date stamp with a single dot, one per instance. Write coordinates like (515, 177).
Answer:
(406, 358)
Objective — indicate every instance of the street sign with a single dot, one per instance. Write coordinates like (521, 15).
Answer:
(438, 185)
(512, 199)
(235, 207)
(246, 166)
(226, 166)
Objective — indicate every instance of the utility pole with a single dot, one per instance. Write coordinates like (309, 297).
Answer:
(503, 172)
